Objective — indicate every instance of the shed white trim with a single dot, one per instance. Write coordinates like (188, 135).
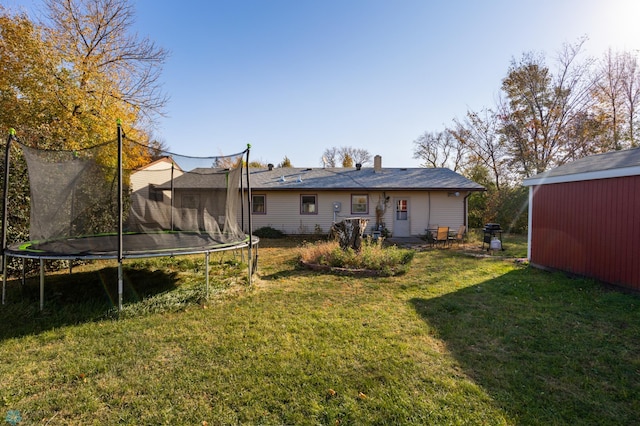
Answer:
(577, 177)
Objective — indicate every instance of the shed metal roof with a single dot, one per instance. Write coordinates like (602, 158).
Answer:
(599, 166)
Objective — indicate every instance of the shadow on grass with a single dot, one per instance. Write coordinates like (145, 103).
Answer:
(76, 298)
(548, 349)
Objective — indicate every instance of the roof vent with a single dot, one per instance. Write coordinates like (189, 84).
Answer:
(299, 178)
(282, 179)
(270, 166)
(358, 166)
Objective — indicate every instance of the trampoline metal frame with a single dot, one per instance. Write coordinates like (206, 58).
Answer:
(120, 253)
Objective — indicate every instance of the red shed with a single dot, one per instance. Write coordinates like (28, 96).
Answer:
(584, 218)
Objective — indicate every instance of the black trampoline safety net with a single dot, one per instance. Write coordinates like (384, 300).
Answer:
(170, 203)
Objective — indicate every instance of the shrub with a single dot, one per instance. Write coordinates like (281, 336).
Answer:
(373, 256)
(268, 232)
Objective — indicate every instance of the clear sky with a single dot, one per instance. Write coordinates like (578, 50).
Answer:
(294, 77)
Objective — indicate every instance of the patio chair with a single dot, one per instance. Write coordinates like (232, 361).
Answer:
(430, 234)
(442, 236)
(459, 236)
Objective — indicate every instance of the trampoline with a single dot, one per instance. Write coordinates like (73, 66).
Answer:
(85, 204)
(137, 245)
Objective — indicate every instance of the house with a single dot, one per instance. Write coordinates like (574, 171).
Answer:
(151, 204)
(584, 218)
(404, 201)
(201, 197)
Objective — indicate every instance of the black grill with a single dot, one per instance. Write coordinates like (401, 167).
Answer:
(490, 231)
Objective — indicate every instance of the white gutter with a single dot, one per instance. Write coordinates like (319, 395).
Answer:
(576, 177)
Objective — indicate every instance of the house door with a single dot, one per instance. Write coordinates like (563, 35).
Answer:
(401, 225)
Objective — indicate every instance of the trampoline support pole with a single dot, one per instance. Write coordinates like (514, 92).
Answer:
(4, 277)
(119, 286)
(5, 209)
(41, 284)
(249, 211)
(120, 216)
(206, 262)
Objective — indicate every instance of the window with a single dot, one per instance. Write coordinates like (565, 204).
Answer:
(259, 204)
(402, 210)
(359, 204)
(155, 194)
(308, 204)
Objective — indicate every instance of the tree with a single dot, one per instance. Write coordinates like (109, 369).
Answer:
(65, 82)
(357, 155)
(539, 108)
(285, 162)
(480, 134)
(330, 157)
(609, 92)
(347, 161)
(27, 82)
(631, 95)
(257, 164)
(333, 156)
(439, 149)
(105, 72)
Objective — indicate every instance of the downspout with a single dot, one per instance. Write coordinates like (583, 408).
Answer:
(529, 222)
(429, 211)
(465, 208)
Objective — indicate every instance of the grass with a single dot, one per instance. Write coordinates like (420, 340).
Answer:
(455, 340)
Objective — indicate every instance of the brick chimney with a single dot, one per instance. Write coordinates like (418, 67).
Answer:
(377, 163)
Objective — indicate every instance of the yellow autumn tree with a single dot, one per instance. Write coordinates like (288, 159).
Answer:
(114, 73)
(27, 82)
(65, 81)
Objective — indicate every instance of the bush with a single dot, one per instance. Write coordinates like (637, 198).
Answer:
(373, 256)
(268, 232)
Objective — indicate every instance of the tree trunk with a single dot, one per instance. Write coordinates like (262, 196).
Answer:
(349, 232)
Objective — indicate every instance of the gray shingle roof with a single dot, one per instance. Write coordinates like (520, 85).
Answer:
(609, 164)
(365, 178)
(333, 179)
(198, 179)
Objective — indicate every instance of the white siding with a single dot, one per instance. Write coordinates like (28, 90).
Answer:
(426, 209)
(283, 211)
(447, 210)
(155, 173)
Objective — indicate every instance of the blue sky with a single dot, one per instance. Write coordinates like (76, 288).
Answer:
(294, 77)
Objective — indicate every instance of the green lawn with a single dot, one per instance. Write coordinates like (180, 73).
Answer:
(456, 340)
